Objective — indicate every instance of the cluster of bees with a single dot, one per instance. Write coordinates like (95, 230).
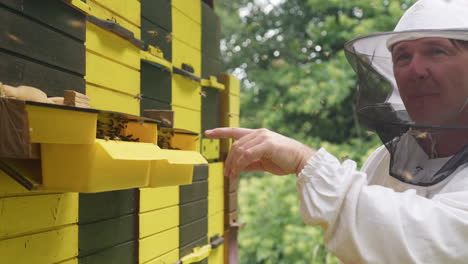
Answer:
(113, 129)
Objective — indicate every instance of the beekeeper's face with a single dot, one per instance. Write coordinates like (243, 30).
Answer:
(432, 77)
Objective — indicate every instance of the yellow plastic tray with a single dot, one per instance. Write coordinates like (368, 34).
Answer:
(114, 165)
(102, 166)
(175, 169)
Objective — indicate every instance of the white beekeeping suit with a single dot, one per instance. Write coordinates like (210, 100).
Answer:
(405, 205)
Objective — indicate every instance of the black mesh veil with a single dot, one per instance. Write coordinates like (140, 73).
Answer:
(415, 147)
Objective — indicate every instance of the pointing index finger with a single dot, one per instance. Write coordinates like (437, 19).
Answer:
(228, 132)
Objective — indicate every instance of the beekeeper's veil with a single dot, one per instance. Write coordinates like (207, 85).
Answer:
(413, 146)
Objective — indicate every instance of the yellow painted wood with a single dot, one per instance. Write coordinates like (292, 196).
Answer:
(187, 119)
(103, 13)
(159, 244)
(231, 120)
(212, 82)
(167, 258)
(26, 214)
(215, 176)
(47, 247)
(156, 198)
(210, 148)
(111, 46)
(185, 93)
(107, 73)
(191, 8)
(216, 201)
(164, 174)
(184, 53)
(70, 261)
(234, 104)
(9, 187)
(231, 83)
(146, 132)
(102, 166)
(186, 29)
(128, 9)
(159, 220)
(104, 99)
(217, 255)
(216, 224)
(76, 127)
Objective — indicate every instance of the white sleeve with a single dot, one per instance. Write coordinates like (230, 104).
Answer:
(374, 224)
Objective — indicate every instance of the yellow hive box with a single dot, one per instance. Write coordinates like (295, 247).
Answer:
(217, 255)
(106, 73)
(187, 119)
(9, 187)
(215, 176)
(234, 104)
(216, 224)
(158, 245)
(216, 201)
(111, 46)
(210, 148)
(48, 211)
(157, 221)
(105, 99)
(186, 93)
(191, 8)
(186, 29)
(47, 247)
(60, 125)
(127, 9)
(170, 257)
(183, 53)
(156, 198)
(175, 138)
(231, 83)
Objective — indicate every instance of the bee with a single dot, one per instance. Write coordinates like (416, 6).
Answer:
(152, 33)
(138, 96)
(169, 37)
(407, 176)
(203, 93)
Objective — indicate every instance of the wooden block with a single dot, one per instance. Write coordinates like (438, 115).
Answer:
(158, 245)
(193, 192)
(193, 211)
(156, 198)
(47, 247)
(193, 231)
(106, 205)
(121, 254)
(157, 221)
(97, 236)
(26, 214)
(74, 98)
(16, 71)
(185, 250)
(56, 14)
(34, 40)
(231, 184)
(231, 202)
(170, 257)
(166, 117)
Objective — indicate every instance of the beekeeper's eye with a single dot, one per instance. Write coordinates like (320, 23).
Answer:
(401, 58)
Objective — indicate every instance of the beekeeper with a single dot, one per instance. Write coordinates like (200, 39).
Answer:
(409, 202)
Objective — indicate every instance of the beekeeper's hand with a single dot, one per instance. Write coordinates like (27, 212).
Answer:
(262, 149)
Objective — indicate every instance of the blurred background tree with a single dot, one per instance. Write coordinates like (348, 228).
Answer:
(296, 81)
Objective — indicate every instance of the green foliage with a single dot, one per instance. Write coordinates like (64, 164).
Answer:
(296, 81)
(274, 232)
